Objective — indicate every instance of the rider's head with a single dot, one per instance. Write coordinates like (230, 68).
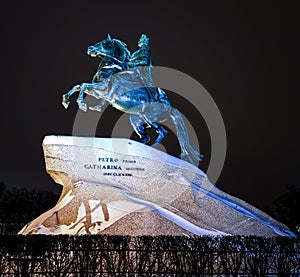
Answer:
(143, 41)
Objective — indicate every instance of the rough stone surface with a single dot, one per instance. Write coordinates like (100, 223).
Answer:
(122, 187)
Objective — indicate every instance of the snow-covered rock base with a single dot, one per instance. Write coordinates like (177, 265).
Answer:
(122, 187)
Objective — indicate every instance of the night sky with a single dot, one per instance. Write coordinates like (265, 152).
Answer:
(244, 54)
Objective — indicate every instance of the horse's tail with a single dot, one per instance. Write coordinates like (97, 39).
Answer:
(187, 150)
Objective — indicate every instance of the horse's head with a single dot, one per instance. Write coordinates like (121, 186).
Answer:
(111, 48)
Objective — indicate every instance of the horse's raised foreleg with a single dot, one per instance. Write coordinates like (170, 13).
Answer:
(85, 88)
(66, 97)
(97, 90)
(137, 122)
(89, 89)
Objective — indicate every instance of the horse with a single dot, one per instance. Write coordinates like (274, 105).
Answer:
(123, 88)
(114, 58)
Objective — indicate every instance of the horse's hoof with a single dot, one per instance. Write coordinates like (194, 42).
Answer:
(65, 102)
(145, 139)
(182, 155)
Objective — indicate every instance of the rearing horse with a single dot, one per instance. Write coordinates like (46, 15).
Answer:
(124, 89)
(114, 55)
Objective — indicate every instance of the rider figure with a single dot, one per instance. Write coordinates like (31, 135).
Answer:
(142, 56)
(141, 61)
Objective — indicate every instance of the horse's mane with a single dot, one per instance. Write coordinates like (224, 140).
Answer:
(122, 49)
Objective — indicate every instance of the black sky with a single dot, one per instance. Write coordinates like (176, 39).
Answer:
(244, 53)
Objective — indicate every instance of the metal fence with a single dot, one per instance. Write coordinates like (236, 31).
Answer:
(96, 255)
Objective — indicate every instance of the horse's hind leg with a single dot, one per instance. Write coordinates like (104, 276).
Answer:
(66, 97)
(137, 123)
(160, 130)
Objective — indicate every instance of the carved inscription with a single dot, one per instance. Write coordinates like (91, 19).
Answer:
(109, 166)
